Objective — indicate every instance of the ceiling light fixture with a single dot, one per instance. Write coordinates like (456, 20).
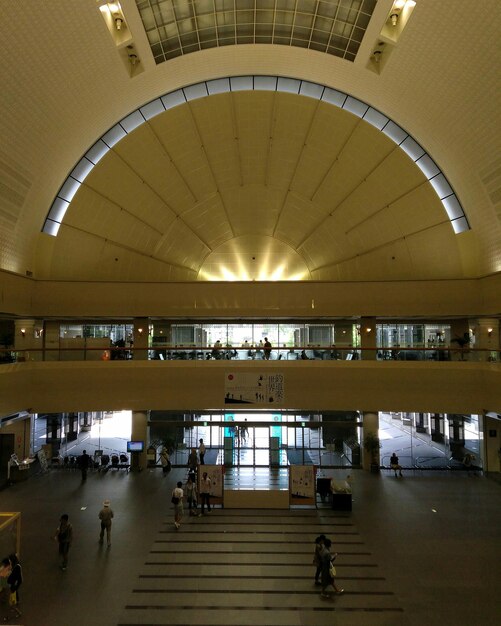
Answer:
(119, 20)
(23, 331)
(394, 19)
(377, 55)
(133, 58)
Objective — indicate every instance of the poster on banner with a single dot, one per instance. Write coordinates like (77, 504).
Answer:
(250, 388)
(302, 484)
(215, 474)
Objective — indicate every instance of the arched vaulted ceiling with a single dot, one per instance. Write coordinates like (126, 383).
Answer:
(248, 184)
(309, 183)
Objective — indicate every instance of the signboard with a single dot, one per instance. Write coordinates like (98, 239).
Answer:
(215, 473)
(302, 484)
(249, 388)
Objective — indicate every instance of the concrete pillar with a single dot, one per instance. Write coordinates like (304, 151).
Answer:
(24, 339)
(487, 339)
(139, 433)
(368, 338)
(141, 338)
(370, 425)
(51, 333)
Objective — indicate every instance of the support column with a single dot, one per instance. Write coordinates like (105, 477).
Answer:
(24, 338)
(51, 334)
(139, 433)
(141, 336)
(368, 338)
(370, 426)
(487, 338)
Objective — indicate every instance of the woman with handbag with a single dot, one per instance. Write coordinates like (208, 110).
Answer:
(328, 570)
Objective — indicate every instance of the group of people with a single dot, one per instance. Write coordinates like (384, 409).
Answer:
(11, 578)
(195, 459)
(190, 493)
(64, 532)
(325, 573)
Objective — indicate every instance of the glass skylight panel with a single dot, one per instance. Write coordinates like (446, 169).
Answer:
(132, 121)
(394, 132)
(97, 152)
(312, 90)
(441, 186)
(58, 210)
(51, 228)
(82, 169)
(412, 148)
(355, 106)
(184, 26)
(265, 83)
(334, 97)
(453, 208)
(69, 189)
(460, 225)
(114, 135)
(173, 99)
(152, 109)
(375, 118)
(241, 83)
(288, 85)
(195, 91)
(221, 85)
(428, 166)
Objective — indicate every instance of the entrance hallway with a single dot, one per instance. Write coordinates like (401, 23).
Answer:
(419, 550)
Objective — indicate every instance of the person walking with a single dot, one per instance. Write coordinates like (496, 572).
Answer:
(201, 452)
(14, 580)
(64, 537)
(84, 462)
(191, 494)
(317, 559)
(165, 461)
(177, 501)
(328, 570)
(267, 348)
(205, 486)
(192, 461)
(105, 515)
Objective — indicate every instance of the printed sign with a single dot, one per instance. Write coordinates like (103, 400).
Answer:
(250, 388)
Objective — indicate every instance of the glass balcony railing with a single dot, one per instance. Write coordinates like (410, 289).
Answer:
(253, 354)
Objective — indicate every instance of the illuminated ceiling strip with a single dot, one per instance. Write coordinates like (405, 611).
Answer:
(281, 84)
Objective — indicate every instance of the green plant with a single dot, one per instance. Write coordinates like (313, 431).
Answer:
(372, 444)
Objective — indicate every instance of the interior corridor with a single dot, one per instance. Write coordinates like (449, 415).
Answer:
(403, 554)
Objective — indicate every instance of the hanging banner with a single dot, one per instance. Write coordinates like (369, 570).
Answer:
(250, 388)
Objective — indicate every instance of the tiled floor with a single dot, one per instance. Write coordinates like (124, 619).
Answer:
(424, 549)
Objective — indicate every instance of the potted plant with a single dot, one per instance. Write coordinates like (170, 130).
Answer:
(372, 444)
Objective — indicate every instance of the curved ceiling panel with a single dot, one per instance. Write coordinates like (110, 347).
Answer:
(264, 163)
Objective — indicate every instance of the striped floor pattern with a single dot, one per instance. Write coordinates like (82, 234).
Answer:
(250, 568)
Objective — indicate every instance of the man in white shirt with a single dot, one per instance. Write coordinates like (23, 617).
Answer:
(177, 501)
(205, 486)
(201, 452)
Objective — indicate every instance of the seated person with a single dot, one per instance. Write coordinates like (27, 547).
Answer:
(394, 464)
(216, 350)
(304, 356)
